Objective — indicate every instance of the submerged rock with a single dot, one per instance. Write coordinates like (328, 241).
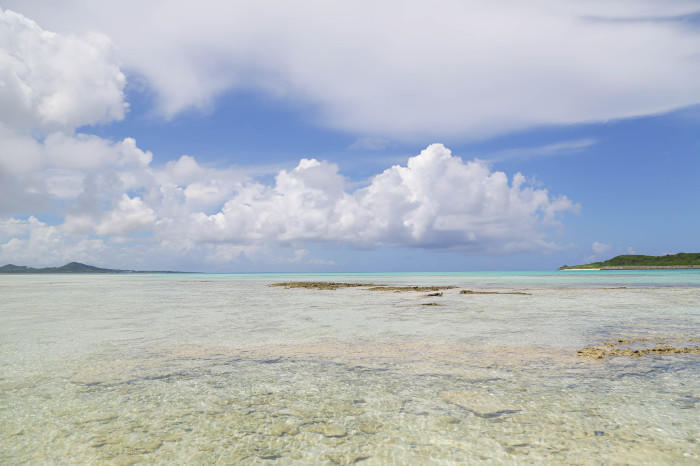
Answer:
(448, 420)
(281, 429)
(346, 458)
(369, 427)
(124, 460)
(268, 454)
(329, 430)
(480, 404)
(146, 446)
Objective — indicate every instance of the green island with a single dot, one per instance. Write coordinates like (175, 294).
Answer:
(682, 260)
(72, 267)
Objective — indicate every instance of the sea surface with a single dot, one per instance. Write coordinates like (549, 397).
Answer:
(224, 369)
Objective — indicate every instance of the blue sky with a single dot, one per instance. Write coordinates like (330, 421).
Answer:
(289, 142)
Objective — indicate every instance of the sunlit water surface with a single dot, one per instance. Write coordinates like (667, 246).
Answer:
(190, 368)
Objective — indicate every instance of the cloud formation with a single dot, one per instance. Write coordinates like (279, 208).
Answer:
(435, 201)
(407, 69)
(45, 77)
(113, 202)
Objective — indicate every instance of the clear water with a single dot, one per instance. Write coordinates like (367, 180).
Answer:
(223, 369)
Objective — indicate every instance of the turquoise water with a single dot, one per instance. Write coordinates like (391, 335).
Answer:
(539, 279)
(213, 368)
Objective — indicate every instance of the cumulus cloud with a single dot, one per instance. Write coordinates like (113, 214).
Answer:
(436, 201)
(199, 187)
(408, 69)
(65, 166)
(131, 215)
(50, 84)
(31, 241)
(51, 81)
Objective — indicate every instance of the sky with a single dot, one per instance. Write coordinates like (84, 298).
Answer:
(316, 136)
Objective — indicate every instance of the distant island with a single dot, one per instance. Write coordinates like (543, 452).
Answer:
(72, 267)
(682, 260)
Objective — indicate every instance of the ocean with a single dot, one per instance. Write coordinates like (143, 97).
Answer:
(225, 369)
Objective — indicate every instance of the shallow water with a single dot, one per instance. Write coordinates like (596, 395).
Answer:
(224, 369)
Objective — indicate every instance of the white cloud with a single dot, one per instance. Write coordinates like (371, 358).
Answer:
(435, 201)
(34, 242)
(64, 184)
(50, 81)
(184, 170)
(130, 216)
(600, 248)
(78, 223)
(407, 69)
(83, 151)
(50, 84)
(21, 154)
(203, 188)
(599, 251)
(67, 166)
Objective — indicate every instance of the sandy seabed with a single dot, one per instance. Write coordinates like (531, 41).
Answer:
(231, 371)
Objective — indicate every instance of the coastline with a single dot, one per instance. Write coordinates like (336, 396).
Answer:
(637, 267)
(651, 267)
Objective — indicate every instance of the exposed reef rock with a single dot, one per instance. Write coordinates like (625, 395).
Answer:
(399, 289)
(321, 285)
(638, 347)
(372, 286)
(493, 292)
(432, 291)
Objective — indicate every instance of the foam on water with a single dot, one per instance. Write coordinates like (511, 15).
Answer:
(222, 368)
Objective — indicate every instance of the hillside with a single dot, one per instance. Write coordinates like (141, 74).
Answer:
(72, 267)
(680, 260)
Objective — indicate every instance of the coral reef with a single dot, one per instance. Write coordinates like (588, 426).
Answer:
(637, 347)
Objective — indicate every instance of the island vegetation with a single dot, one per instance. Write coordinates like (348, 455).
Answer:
(682, 260)
(72, 267)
